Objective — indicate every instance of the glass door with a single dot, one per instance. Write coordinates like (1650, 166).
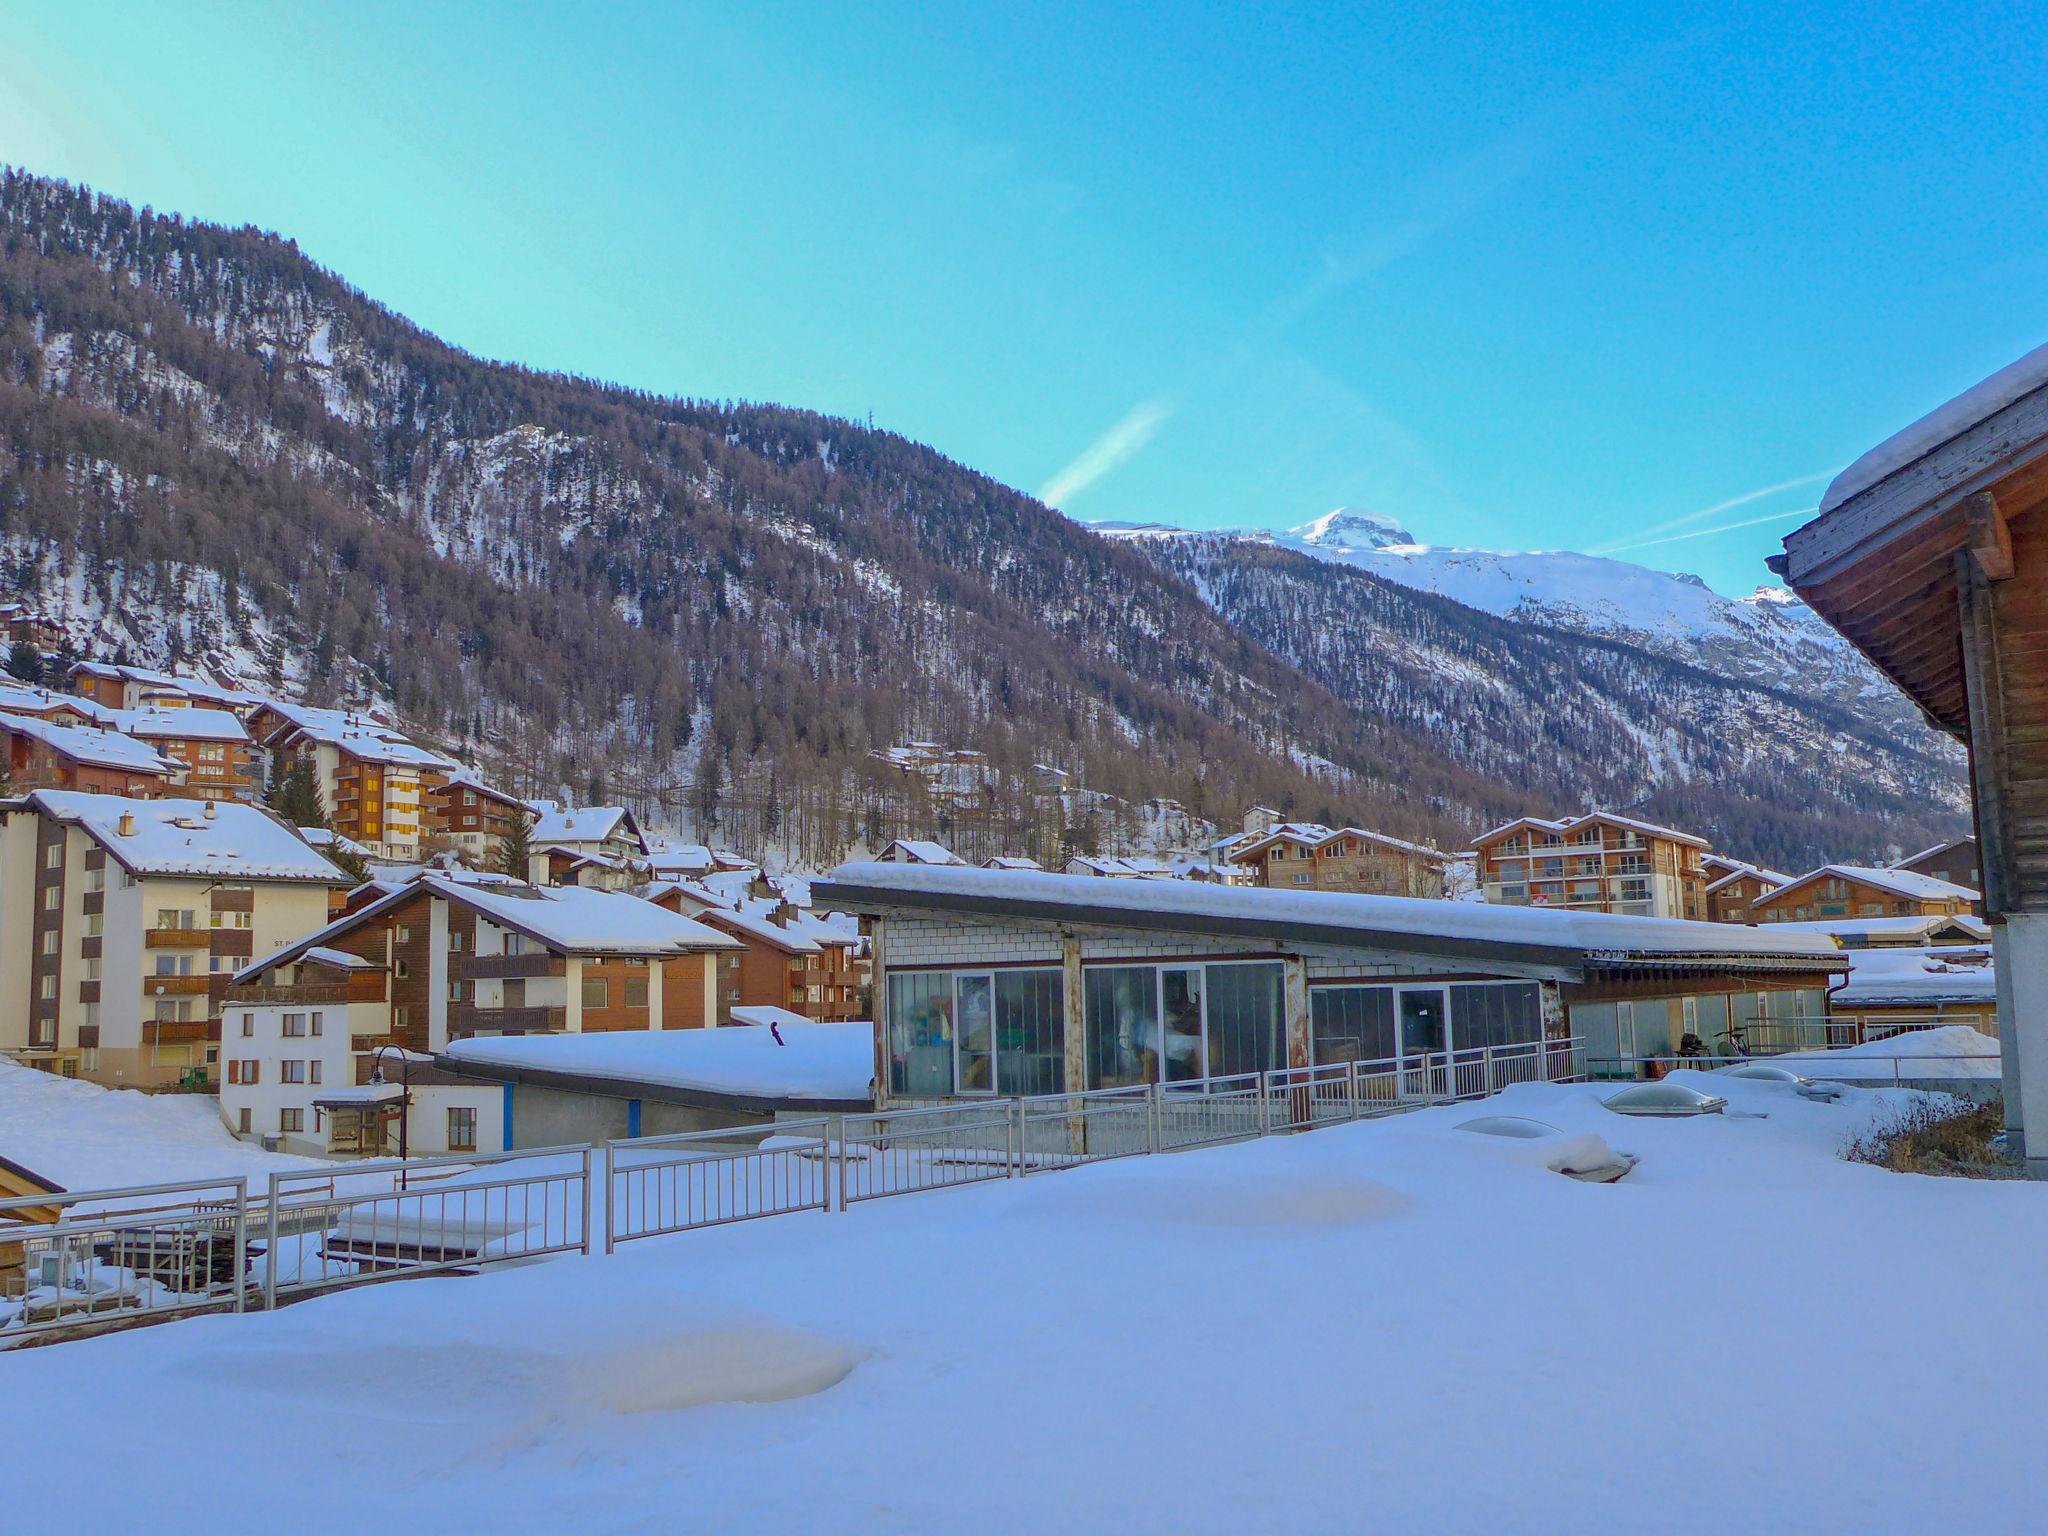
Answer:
(974, 1034)
(1425, 1057)
(1180, 1024)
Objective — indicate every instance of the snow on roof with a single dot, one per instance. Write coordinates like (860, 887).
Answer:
(359, 736)
(340, 959)
(1916, 976)
(577, 823)
(1977, 403)
(78, 1135)
(1770, 877)
(579, 919)
(1376, 920)
(680, 858)
(918, 850)
(757, 926)
(1892, 927)
(1928, 853)
(178, 724)
(813, 1061)
(326, 837)
(1576, 823)
(212, 839)
(81, 744)
(1953, 1051)
(1010, 861)
(1315, 835)
(1900, 882)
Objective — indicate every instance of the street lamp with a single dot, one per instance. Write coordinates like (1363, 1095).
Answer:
(404, 1099)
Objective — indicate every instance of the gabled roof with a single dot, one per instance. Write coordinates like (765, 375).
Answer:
(1310, 834)
(753, 925)
(1918, 977)
(356, 734)
(469, 779)
(918, 850)
(1563, 941)
(1572, 824)
(1900, 882)
(178, 724)
(1905, 863)
(212, 839)
(1772, 878)
(1010, 861)
(567, 919)
(95, 748)
(570, 824)
(1913, 927)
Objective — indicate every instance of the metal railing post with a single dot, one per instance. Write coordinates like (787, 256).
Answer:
(1013, 1138)
(839, 1164)
(270, 1253)
(241, 1243)
(1152, 1109)
(586, 1203)
(610, 1178)
(1351, 1088)
(1486, 1068)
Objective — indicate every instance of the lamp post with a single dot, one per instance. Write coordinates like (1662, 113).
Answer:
(404, 1100)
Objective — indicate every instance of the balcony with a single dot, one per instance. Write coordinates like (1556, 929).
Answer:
(178, 938)
(257, 997)
(235, 943)
(821, 976)
(168, 1031)
(175, 986)
(527, 1020)
(510, 967)
(227, 899)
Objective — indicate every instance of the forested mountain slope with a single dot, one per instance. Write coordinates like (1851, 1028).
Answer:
(211, 449)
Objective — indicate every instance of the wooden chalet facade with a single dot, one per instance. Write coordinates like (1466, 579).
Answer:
(1850, 890)
(1299, 856)
(1598, 862)
(1930, 554)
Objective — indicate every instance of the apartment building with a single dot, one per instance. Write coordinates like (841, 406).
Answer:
(211, 749)
(121, 921)
(1955, 861)
(791, 959)
(466, 816)
(1733, 887)
(1297, 855)
(595, 845)
(42, 754)
(1598, 862)
(1854, 890)
(373, 782)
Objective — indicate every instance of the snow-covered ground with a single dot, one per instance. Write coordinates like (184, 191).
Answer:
(1387, 1326)
(82, 1136)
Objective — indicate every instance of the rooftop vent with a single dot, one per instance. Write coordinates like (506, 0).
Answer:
(126, 825)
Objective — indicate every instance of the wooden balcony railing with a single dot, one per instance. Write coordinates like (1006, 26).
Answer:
(510, 967)
(175, 986)
(178, 938)
(527, 1020)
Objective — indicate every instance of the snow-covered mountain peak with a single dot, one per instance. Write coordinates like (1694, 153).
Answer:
(1354, 528)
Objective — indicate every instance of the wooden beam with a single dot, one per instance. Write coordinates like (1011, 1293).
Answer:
(1989, 759)
(1990, 543)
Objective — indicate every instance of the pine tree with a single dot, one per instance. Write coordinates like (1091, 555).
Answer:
(25, 663)
(515, 856)
(295, 795)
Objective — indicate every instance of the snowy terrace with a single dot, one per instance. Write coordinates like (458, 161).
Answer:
(1391, 1325)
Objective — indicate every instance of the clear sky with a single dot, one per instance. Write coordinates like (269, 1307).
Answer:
(1524, 275)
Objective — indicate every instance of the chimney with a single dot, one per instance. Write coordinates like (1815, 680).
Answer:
(126, 825)
(209, 810)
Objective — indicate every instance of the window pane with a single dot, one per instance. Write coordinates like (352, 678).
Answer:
(1030, 1032)
(1246, 1027)
(1351, 1024)
(977, 1035)
(1121, 1006)
(921, 1034)
(1181, 1010)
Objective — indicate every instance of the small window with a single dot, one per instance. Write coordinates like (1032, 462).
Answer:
(597, 993)
(242, 1117)
(462, 1130)
(291, 1119)
(51, 896)
(291, 1071)
(313, 1070)
(636, 991)
(248, 1026)
(53, 856)
(49, 941)
(454, 991)
(316, 1021)
(401, 970)
(294, 1026)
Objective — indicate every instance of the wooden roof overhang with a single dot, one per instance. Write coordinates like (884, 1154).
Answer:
(1881, 566)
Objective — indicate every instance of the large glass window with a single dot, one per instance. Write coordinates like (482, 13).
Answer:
(1030, 1032)
(1483, 1015)
(1121, 1008)
(921, 1033)
(976, 1013)
(1351, 1024)
(1247, 1022)
(1180, 1013)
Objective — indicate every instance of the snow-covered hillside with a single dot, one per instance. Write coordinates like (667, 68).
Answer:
(1769, 636)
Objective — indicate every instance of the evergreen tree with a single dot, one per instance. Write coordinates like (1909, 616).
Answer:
(25, 662)
(295, 795)
(514, 857)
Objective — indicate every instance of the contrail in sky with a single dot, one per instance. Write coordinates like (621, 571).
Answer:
(1107, 451)
(1705, 512)
(1701, 533)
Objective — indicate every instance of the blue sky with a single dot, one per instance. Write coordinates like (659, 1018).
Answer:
(1525, 275)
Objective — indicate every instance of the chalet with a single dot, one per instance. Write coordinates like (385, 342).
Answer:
(122, 687)
(453, 958)
(1105, 866)
(373, 782)
(210, 747)
(1898, 932)
(1294, 855)
(791, 960)
(1017, 983)
(44, 755)
(1955, 861)
(1930, 554)
(1855, 890)
(1734, 887)
(466, 816)
(121, 920)
(680, 861)
(1598, 862)
(916, 850)
(1010, 861)
(21, 624)
(564, 837)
